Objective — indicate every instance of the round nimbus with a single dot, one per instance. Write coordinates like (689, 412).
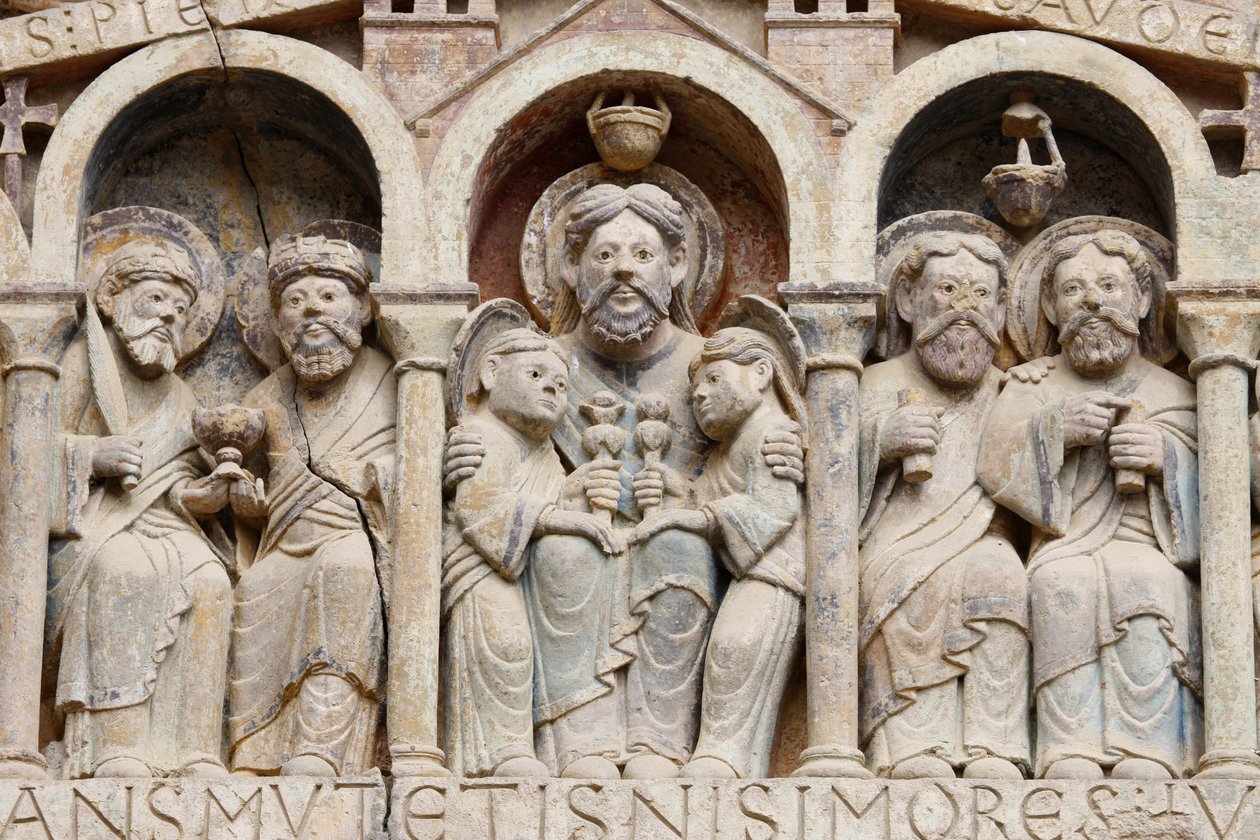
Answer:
(757, 313)
(542, 247)
(492, 318)
(893, 337)
(106, 232)
(253, 298)
(1033, 336)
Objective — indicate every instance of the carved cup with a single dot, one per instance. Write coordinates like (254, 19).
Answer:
(628, 136)
(1024, 192)
(229, 431)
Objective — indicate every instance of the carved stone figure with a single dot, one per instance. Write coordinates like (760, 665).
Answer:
(1099, 455)
(620, 641)
(509, 387)
(745, 384)
(139, 601)
(308, 640)
(944, 617)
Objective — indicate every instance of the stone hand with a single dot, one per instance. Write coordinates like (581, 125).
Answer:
(1030, 372)
(279, 433)
(1087, 417)
(784, 454)
(248, 499)
(654, 484)
(464, 454)
(117, 455)
(597, 483)
(1136, 446)
(205, 496)
(578, 524)
(675, 519)
(910, 430)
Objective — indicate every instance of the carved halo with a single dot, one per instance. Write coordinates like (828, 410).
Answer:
(492, 318)
(757, 313)
(1033, 336)
(894, 241)
(106, 232)
(542, 247)
(253, 300)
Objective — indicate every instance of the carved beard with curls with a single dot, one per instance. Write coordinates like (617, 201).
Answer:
(1097, 343)
(956, 348)
(609, 325)
(319, 361)
(150, 342)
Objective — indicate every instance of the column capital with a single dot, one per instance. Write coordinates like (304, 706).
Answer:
(836, 321)
(418, 325)
(36, 324)
(1218, 326)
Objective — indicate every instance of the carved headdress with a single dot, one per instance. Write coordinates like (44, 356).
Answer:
(295, 256)
(145, 259)
(753, 328)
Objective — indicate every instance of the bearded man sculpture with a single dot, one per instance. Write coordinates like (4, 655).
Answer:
(1114, 509)
(944, 647)
(619, 660)
(308, 638)
(139, 603)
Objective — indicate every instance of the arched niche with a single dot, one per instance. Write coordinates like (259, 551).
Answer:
(710, 142)
(250, 139)
(1128, 121)
(531, 115)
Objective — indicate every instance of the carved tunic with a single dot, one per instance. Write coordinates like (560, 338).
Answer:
(489, 682)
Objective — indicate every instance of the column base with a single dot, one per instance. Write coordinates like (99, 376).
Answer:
(832, 763)
(1229, 764)
(418, 761)
(22, 764)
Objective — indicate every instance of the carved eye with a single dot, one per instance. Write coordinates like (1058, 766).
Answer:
(180, 310)
(561, 385)
(328, 297)
(1071, 289)
(713, 378)
(981, 293)
(294, 300)
(1108, 286)
(535, 374)
(643, 255)
(156, 297)
(604, 256)
(948, 288)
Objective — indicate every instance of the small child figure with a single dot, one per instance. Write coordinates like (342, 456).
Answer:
(746, 383)
(508, 384)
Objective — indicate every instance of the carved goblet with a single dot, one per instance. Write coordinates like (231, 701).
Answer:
(628, 136)
(231, 432)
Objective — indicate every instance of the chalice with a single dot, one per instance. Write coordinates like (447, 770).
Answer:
(231, 432)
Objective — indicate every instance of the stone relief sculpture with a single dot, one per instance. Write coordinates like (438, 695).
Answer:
(620, 641)
(139, 604)
(308, 638)
(509, 386)
(746, 384)
(944, 617)
(1097, 451)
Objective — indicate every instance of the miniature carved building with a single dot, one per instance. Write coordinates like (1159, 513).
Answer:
(630, 418)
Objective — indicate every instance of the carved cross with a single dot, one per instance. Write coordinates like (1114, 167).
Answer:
(1244, 123)
(14, 115)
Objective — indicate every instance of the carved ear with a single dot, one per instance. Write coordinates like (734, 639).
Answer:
(762, 374)
(487, 373)
(105, 304)
(999, 315)
(903, 299)
(679, 263)
(570, 267)
(1145, 298)
(365, 309)
(1048, 308)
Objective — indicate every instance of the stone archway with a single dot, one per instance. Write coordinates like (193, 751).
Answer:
(63, 177)
(869, 149)
(789, 134)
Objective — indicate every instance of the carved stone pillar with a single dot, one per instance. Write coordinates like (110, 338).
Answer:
(837, 325)
(1220, 332)
(418, 326)
(34, 330)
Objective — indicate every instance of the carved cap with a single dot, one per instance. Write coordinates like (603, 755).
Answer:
(148, 258)
(295, 256)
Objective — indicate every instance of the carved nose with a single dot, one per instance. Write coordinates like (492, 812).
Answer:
(963, 301)
(1092, 301)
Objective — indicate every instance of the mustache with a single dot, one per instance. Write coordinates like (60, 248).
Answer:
(135, 330)
(948, 319)
(1122, 321)
(644, 290)
(347, 333)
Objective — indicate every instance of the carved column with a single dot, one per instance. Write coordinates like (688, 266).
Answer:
(34, 330)
(838, 327)
(1220, 332)
(419, 327)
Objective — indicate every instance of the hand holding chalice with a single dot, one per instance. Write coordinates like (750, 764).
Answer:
(231, 432)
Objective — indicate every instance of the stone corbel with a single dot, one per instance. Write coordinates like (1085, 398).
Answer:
(837, 324)
(35, 327)
(1219, 330)
(418, 325)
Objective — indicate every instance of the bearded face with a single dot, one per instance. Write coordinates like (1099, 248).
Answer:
(625, 282)
(320, 327)
(1096, 304)
(149, 317)
(956, 319)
